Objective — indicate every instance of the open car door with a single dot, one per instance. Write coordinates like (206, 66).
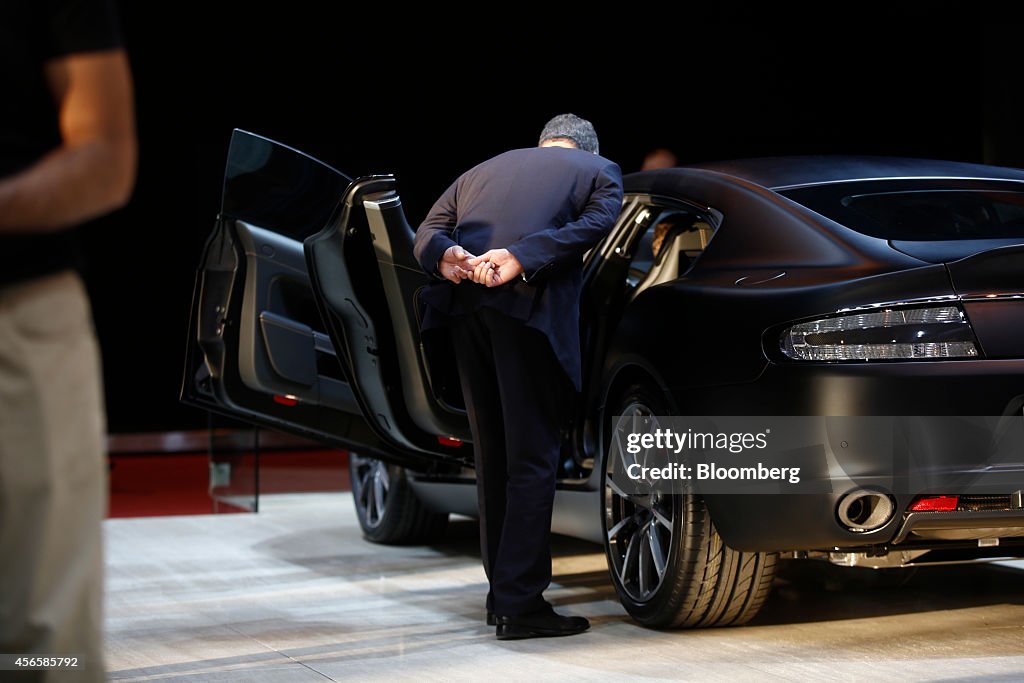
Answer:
(304, 316)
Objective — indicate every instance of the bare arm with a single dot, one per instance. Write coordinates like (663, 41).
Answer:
(92, 172)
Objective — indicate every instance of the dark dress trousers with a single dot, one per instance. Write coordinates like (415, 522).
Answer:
(517, 346)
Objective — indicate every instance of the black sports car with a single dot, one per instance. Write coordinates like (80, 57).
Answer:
(817, 286)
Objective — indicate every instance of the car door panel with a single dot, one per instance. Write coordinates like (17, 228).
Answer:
(278, 394)
(256, 347)
(281, 348)
(302, 337)
(366, 281)
(276, 353)
(428, 403)
(291, 351)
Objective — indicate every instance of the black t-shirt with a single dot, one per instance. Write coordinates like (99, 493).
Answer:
(31, 33)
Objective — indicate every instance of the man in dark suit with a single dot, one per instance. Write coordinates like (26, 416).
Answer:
(513, 312)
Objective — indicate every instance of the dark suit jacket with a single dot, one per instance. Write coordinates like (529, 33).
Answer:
(546, 205)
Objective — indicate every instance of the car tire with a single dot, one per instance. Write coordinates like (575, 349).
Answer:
(387, 507)
(683, 575)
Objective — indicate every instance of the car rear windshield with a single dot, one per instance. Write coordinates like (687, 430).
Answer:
(898, 210)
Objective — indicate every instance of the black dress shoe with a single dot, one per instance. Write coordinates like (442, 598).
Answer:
(544, 624)
(491, 619)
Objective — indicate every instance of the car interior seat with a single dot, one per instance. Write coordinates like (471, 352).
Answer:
(679, 239)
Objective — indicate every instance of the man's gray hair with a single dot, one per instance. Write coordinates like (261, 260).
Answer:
(573, 128)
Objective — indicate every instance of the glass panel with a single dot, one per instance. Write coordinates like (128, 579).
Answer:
(892, 212)
(278, 188)
(234, 467)
(940, 215)
(246, 462)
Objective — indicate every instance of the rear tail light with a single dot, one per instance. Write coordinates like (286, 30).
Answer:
(935, 504)
(885, 334)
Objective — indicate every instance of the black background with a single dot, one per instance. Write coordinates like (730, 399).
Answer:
(425, 96)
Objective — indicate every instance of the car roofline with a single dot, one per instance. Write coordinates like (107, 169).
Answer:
(789, 172)
(795, 186)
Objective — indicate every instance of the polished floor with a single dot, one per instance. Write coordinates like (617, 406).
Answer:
(294, 594)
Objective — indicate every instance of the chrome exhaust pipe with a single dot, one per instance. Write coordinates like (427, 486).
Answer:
(863, 510)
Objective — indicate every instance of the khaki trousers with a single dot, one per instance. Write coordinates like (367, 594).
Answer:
(53, 481)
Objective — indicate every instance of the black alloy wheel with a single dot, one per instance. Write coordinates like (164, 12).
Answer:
(387, 507)
(667, 562)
